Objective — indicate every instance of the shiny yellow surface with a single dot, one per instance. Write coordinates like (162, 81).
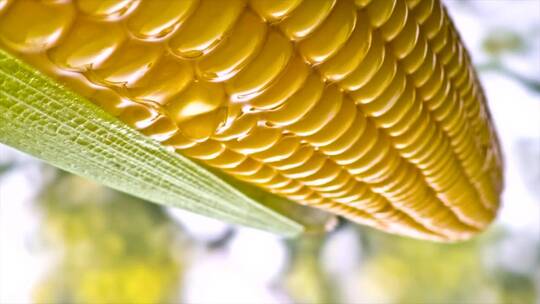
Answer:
(367, 109)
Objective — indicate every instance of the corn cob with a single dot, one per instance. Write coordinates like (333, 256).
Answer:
(366, 109)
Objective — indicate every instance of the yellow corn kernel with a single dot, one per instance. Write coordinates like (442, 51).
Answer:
(366, 109)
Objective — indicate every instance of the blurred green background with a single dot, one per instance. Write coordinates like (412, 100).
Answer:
(64, 239)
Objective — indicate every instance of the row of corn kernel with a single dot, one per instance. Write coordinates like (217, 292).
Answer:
(313, 120)
(344, 9)
(314, 58)
(422, 79)
(439, 79)
(443, 41)
(451, 54)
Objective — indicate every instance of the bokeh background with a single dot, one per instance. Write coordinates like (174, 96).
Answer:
(64, 239)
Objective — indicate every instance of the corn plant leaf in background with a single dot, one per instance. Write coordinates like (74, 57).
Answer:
(46, 120)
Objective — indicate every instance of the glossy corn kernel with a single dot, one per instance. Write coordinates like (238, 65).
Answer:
(367, 109)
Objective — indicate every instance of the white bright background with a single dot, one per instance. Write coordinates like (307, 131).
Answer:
(245, 270)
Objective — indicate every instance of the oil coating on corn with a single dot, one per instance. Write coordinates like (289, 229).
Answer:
(367, 109)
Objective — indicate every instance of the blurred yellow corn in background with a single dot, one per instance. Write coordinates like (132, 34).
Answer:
(367, 109)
